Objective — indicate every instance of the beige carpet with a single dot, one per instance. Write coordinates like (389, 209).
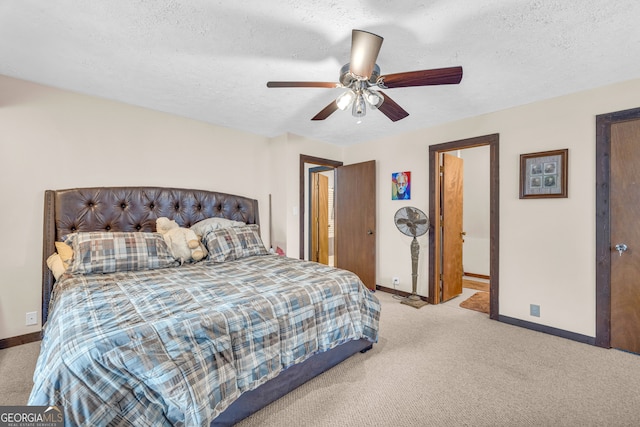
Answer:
(16, 373)
(441, 365)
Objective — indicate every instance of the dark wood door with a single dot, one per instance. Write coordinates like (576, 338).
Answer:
(452, 235)
(355, 220)
(320, 219)
(625, 230)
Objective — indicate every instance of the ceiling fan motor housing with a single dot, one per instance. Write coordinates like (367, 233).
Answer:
(347, 79)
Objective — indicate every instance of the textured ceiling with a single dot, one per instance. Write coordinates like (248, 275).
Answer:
(210, 60)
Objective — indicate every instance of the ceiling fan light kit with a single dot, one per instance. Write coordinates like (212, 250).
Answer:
(362, 74)
(358, 96)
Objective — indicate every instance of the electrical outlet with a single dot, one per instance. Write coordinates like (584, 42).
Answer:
(32, 318)
(396, 281)
(534, 310)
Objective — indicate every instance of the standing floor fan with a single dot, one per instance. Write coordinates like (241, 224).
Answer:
(413, 222)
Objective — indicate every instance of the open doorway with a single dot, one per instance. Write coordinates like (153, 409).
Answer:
(437, 255)
(321, 218)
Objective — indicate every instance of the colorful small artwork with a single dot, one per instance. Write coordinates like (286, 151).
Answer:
(401, 186)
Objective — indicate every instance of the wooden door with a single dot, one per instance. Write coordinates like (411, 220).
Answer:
(452, 198)
(355, 220)
(625, 229)
(320, 218)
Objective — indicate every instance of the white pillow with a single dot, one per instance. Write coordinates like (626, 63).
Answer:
(206, 225)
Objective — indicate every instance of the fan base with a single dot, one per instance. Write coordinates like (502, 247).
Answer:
(414, 301)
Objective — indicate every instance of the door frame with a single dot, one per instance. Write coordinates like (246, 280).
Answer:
(304, 161)
(492, 141)
(603, 216)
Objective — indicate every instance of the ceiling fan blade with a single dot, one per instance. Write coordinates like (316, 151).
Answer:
(326, 111)
(304, 84)
(365, 47)
(438, 76)
(392, 110)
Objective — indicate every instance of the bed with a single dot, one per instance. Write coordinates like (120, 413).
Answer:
(151, 341)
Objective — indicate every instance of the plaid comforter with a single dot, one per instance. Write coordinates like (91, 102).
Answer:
(176, 346)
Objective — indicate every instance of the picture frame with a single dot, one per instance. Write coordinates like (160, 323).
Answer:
(401, 185)
(544, 174)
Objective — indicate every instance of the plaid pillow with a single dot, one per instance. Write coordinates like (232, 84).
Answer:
(227, 244)
(110, 252)
(206, 225)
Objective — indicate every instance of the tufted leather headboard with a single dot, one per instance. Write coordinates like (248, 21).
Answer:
(130, 209)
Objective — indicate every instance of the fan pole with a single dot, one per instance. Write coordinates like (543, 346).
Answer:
(414, 300)
(415, 253)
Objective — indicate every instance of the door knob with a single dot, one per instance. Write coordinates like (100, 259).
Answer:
(369, 232)
(621, 247)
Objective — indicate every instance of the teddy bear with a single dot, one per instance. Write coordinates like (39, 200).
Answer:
(185, 245)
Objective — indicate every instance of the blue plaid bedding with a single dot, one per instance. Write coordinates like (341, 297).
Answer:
(177, 346)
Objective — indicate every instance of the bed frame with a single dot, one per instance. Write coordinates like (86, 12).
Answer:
(136, 209)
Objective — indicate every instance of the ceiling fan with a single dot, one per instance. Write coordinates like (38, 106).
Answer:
(361, 77)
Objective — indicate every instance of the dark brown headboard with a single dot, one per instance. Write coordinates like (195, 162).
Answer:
(130, 209)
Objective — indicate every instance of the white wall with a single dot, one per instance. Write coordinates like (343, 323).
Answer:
(547, 246)
(278, 170)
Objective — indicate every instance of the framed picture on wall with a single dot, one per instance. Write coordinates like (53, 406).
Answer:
(544, 174)
(401, 186)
